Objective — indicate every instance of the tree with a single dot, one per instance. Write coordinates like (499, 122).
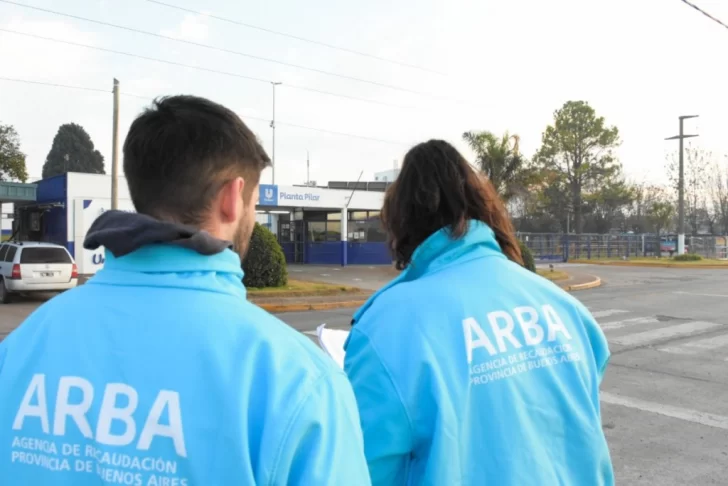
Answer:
(697, 163)
(661, 214)
(579, 146)
(639, 211)
(719, 195)
(264, 264)
(606, 204)
(12, 160)
(72, 151)
(499, 159)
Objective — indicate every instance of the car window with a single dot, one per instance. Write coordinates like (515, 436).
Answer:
(3, 251)
(10, 256)
(44, 255)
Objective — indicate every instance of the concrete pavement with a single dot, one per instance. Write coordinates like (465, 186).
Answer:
(665, 394)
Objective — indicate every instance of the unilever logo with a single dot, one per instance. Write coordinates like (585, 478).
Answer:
(268, 195)
(98, 258)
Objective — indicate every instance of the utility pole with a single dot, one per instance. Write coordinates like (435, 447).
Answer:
(115, 150)
(308, 170)
(681, 186)
(273, 126)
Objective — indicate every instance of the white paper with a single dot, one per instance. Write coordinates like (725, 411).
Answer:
(332, 342)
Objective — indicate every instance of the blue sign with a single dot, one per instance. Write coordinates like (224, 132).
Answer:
(268, 195)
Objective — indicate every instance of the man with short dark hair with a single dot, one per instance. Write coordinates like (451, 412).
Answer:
(158, 371)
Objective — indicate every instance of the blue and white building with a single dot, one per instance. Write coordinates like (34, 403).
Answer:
(337, 224)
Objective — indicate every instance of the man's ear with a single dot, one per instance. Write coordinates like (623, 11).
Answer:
(231, 197)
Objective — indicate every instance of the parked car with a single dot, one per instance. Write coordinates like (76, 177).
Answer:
(27, 267)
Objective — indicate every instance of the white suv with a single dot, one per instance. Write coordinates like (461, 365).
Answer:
(35, 267)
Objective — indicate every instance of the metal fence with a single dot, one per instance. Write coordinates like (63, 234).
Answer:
(561, 247)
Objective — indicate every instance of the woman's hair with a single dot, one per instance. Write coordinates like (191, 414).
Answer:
(437, 188)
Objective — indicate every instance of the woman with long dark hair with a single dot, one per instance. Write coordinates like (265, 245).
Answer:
(469, 369)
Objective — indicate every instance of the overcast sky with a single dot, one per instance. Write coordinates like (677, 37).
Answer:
(503, 65)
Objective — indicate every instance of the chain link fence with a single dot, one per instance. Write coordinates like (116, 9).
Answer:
(561, 247)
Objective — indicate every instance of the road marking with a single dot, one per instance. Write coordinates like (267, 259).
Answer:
(607, 313)
(628, 322)
(640, 338)
(704, 295)
(695, 347)
(310, 333)
(689, 415)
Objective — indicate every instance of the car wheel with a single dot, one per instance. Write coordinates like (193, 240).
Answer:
(4, 294)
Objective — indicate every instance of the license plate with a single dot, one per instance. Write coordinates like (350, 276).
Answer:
(46, 274)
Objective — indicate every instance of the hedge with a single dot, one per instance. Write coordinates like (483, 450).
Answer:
(528, 261)
(264, 264)
(688, 257)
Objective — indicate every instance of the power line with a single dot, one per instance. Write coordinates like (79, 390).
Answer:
(298, 38)
(704, 13)
(58, 85)
(257, 118)
(228, 51)
(201, 68)
(84, 88)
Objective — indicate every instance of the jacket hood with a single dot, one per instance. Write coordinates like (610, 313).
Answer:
(123, 232)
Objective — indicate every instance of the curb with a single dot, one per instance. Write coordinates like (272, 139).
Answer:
(651, 265)
(280, 308)
(597, 282)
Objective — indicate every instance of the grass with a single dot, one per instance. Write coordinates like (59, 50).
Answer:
(553, 276)
(299, 288)
(656, 261)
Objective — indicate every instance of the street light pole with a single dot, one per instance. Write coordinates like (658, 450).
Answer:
(273, 126)
(681, 185)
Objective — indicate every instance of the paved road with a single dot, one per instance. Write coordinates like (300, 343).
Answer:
(665, 396)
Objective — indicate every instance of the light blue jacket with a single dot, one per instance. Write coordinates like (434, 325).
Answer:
(470, 370)
(158, 371)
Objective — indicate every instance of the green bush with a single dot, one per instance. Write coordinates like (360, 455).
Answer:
(528, 261)
(265, 264)
(688, 257)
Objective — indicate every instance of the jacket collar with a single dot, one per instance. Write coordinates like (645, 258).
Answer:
(170, 258)
(439, 250)
(166, 264)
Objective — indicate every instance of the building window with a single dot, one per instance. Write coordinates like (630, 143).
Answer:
(333, 231)
(316, 231)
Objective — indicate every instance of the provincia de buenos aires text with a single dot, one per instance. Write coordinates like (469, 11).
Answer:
(502, 353)
(116, 448)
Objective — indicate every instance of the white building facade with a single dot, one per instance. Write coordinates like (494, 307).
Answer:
(70, 203)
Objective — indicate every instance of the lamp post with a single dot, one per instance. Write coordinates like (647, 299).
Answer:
(681, 186)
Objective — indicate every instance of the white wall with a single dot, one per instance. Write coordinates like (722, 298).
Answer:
(6, 213)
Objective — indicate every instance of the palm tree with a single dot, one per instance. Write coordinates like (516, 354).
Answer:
(499, 159)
